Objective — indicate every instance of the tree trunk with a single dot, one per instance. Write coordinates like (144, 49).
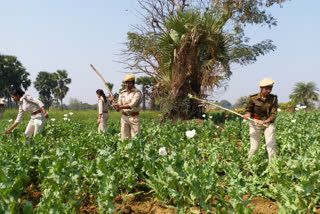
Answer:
(143, 97)
(186, 78)
(61, 104)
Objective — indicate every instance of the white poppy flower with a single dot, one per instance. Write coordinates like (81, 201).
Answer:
(65, 118)
(297, 109)
(69, 119)
(10, 120)
(203, 115)
(279, 110)
(191, 134)
(210, 117)
(53, 119)
(298, 106)
(37, 122)
(162, 151)
(66, 115)
(217, 127)
(303, 107)
(293, 121)
(71, 113)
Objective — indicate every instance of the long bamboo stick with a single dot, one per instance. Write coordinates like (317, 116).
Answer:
(231, 111)
(105, 83)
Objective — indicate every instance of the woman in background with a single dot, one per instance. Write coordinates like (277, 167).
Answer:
(103, 106)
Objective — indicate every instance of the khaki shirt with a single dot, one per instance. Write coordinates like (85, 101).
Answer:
(133, 99)
(263, 109)
(28, 104)
(102, 106)
(2, 109)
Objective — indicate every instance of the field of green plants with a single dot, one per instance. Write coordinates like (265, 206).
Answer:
(183, 165)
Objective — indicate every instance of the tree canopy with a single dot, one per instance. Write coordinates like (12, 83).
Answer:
(189, 46)
(305, 93)
(44, 84)
(12, 76)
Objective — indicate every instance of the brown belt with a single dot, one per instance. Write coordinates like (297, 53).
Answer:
(129, 113)
(36, 112)
(105, 112)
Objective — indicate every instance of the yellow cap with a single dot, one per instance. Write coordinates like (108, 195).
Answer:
(266, 82)
(130, 77)
(2, 101)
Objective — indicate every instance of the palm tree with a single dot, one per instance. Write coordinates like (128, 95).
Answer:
(146, 83)
(305, 93)
(45, 83)
(60, 91)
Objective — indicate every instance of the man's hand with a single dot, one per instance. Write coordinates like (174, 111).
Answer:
(246, 116)
(98, 121)
(46, 115)
(260, 122)
(116, 106)
(8, 131)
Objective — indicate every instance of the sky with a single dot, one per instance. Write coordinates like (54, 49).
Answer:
(72, 34)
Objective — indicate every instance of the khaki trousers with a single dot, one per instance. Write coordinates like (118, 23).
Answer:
(103, 123)
(255, 136)
(32, 129)
(130, 126)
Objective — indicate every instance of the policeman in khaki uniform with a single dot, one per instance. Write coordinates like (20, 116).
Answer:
(2, 106)
(30, 105)
(129, 101)
(263, 108)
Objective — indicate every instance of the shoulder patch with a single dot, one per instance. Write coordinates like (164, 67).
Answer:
(252, 95)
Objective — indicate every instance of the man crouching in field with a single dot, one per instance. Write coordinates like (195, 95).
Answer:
(2, 106)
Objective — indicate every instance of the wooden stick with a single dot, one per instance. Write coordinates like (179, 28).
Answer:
(231, 111)
(105, 83)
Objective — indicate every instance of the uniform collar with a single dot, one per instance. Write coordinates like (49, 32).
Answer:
(259, 97)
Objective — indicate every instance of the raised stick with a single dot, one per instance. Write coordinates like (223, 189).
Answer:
(231, 111)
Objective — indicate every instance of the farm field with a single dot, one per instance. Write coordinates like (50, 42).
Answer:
(73, 169)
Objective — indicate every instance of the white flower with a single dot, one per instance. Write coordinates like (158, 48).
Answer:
(53, 119)
(162, 151)
(303, 107)
(279, 110)
(71, 113)
(293, 121)
(191, 134)
(37, 122)
(244, 120)
(210, 117)
(69, 119)
(10, 120)
(66, 115)
(65, 118)
(217, 127)
(203, 115)
(297, 108)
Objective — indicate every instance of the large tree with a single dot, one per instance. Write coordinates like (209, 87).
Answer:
(12, 76)
(189, 46)
(45, 83)
(146, 85)
(60, 91)
(305, 93)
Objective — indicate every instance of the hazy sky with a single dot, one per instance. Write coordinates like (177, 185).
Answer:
(71, 34)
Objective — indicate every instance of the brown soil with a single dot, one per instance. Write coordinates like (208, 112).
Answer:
(262, 205)
(32, 193)
(141, 204)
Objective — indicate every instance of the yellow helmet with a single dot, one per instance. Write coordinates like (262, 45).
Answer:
(266, 82)
(130, 77)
